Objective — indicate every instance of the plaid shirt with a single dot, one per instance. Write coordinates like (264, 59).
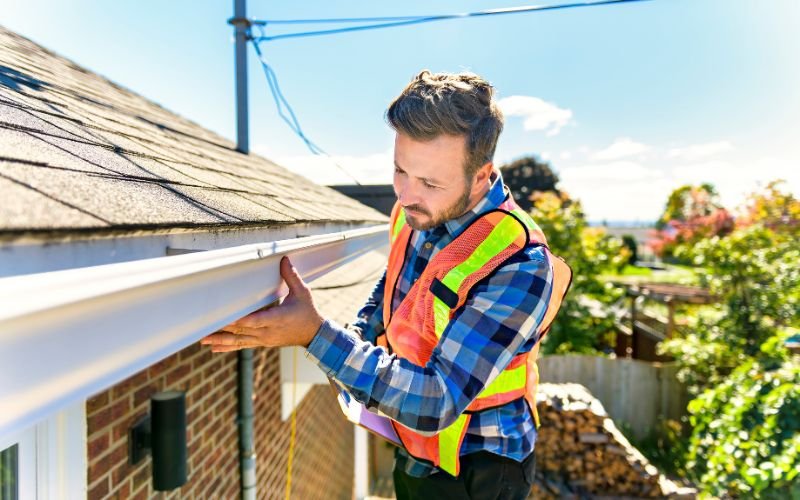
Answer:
(500, 319)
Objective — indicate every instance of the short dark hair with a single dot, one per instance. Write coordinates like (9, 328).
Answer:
(454, 104)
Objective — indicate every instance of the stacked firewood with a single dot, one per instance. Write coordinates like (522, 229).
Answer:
(580, 453)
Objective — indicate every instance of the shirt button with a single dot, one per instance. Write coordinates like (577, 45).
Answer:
(428, 245)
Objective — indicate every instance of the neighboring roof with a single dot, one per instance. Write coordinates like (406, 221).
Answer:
(341, 293)
(381, 197)
(80, 153)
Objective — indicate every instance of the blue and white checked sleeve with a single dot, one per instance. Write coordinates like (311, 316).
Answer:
(369, 319)
(501, 318)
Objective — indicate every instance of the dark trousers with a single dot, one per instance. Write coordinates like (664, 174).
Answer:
(483, 476)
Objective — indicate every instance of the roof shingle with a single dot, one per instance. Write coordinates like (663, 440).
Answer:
(79, 152)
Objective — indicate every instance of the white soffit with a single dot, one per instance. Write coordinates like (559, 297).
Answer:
(66, 335)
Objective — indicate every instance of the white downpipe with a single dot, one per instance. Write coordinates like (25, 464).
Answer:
(361, 463)
(66, 335)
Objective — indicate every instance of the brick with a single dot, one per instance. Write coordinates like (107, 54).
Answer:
(123, 491)
(121, 429)
(158, 369)
(142, 395)
(103, 464)
(97, 446)
(129, 384)
(190, 351)
(96, 402)
(142, 477)
(100, 490)
(141, 494)
(121, 474)
(212, 369)
(100, 465)
(108, 415)
(196, 379)
(178, 373)
(202, 358)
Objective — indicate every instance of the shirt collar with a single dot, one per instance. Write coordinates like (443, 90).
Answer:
(491, 200)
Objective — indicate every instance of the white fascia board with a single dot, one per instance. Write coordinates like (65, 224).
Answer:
(66, 335)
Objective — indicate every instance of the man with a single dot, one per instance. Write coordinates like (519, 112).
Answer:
(446, 344)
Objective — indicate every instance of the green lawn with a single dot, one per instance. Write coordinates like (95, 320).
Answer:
(682, 275)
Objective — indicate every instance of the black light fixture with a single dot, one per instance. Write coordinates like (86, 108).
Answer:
(162, 433)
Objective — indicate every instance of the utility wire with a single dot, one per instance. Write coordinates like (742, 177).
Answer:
(392, 22)
(285, 110)
(288, 115)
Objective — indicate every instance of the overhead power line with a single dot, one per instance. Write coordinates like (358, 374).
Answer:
(287, 114)
(396, 21)
(284, 108)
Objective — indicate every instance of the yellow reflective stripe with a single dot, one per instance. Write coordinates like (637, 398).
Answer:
(507, 381)
(527, 219)
(441, 316)
(450, 444)
(501, 237)
(398, 224)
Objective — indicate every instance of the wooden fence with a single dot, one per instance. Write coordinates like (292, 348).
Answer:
(634, 393)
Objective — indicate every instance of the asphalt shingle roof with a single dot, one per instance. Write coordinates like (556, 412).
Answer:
(78, 152)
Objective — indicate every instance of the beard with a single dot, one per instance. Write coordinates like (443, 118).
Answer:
(453, 211)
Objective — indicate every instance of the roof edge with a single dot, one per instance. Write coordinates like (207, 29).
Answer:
(67, 335)
(52, 251)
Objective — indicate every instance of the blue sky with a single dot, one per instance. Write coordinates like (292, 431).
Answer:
(627, 101)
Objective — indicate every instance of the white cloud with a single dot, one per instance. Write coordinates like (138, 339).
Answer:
(734, 181)
(622, 147)
(630, 200)
(627, 190)
(538, 114)
(700, 151)
(375, 168)
(614, 172)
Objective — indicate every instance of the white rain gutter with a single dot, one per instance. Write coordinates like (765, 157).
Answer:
(66, 335)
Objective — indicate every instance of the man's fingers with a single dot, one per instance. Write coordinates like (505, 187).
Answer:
(292, 278)
(259, 319)
(232, 348)
(226, 339)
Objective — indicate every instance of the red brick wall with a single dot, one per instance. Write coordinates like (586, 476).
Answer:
(212, 435)
(323, 461)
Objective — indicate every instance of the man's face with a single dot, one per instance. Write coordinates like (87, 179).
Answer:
(429, 179)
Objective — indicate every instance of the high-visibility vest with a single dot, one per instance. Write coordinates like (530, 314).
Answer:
(413, 330)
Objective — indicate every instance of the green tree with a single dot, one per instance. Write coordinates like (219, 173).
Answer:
(745, 439)
(688, 202)
(692, 214)
(755, 273)
(745, 418)
(630, 243)
(590, 252)
(526, 176)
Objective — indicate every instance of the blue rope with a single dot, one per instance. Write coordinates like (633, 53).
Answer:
(391, 22)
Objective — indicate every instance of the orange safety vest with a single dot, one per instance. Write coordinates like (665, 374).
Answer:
(414, 329)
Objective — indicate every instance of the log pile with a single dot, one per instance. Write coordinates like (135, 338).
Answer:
(581, 454)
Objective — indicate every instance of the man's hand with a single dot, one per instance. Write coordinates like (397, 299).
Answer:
(294, 321)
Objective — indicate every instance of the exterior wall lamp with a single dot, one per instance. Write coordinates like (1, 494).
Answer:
(162, 434)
